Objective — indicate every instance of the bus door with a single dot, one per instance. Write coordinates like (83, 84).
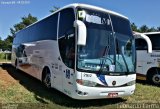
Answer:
(67, 51)
(66, 41)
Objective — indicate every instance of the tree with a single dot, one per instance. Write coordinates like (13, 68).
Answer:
(152, 29)
(8, 43)
(158, 28)
(26, 21)
(134, 27)
(144, 28)
(55, 8)
(1, 43)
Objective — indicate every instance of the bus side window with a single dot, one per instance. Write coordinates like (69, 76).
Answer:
(67, 49)
(67, 37)
(141, 44)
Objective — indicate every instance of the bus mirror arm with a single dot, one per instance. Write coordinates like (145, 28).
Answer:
(81, 32)
(149, 43)
(146, 38)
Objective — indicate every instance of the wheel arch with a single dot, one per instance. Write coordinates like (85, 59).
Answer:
(151, 71)
(43, 71)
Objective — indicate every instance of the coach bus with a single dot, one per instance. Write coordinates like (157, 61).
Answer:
(148, 57)
(84, 51)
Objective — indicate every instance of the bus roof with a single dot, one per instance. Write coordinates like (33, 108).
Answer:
(74, 5)
(150, 33)
(97, 8)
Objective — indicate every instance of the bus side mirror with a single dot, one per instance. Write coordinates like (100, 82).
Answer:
(81, 31)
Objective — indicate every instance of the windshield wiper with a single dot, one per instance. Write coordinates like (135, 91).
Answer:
(104, 55)
(102, 61)
(117, 50)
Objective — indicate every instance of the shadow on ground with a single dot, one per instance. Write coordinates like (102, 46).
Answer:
(146, 83)
(56, 97)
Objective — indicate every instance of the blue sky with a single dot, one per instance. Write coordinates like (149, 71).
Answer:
(138, 11)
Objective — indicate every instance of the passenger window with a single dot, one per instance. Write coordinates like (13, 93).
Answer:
(67, 48)
(67, 37)
(141, 44)
(67, 18)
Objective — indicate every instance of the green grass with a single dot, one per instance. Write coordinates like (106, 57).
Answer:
(30, 93)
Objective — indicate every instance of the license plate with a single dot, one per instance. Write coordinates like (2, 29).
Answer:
(112, 95)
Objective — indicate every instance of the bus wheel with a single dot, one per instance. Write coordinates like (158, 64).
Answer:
(154, 77)
(16, 64)
(47, 78)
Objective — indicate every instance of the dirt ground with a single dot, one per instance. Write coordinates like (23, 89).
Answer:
(6, 78)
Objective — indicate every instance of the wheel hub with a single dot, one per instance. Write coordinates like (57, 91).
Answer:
(156, 79)
(47, 80)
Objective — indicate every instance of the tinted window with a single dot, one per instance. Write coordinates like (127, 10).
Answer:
(67, 42)
(155, 38)
(45, 29)
(67, 48)
(67, 18)
(121, 25)
(141, 44)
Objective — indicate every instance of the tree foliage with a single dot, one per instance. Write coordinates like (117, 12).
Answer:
(6, 44)
(144, 28)
(26, 21)
(134, 27)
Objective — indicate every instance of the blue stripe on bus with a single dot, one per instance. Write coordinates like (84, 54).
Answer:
(102, 78)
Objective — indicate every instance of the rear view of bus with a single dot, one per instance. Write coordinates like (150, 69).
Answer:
(91, 56)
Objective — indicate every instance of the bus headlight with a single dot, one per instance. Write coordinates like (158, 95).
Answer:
(86, 83)
(131, 83)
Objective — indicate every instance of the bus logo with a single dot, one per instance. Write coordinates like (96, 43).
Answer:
(114, 83)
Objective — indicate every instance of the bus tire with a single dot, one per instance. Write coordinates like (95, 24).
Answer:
(152, 76)
(16, 64)
(46, 77)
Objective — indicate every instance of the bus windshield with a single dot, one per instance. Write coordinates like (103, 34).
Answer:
(109, 49)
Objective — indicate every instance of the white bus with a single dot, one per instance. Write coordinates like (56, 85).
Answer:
(148, 57)
(83, 51)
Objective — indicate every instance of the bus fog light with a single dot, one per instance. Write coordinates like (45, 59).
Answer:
(85, 93)
(81, 93)
(131, 83)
